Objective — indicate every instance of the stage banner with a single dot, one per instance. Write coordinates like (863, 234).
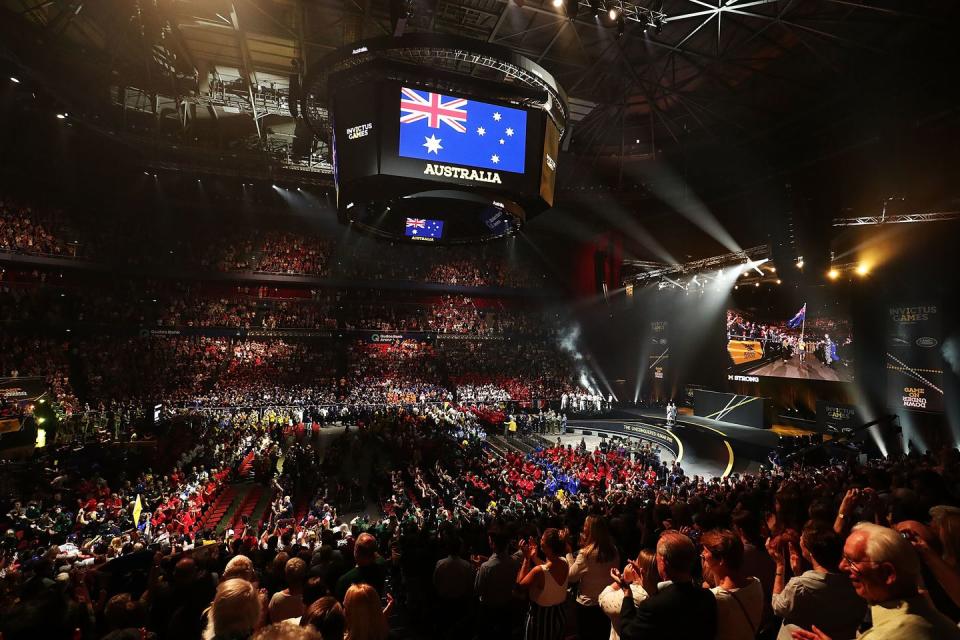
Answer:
(914, 360)
(652, 433)
(655, 377)
(836, 417)
(19, 390)
(390, 338)
(748, 411)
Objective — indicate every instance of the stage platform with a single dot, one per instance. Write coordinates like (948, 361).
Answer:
(704, 447)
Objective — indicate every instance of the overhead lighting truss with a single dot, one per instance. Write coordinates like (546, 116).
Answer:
(657, 270)
(630, 12)
(934, 216)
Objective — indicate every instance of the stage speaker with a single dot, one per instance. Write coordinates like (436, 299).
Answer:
(569, 430)
(587, 433)
(603, 436)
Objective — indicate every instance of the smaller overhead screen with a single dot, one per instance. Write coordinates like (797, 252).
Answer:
(423, 229)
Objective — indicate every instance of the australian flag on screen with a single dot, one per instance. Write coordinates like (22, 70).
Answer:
(798, 319)
(461, 132)
(423, 228)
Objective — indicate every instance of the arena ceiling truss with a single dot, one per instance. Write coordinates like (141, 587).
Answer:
(672, 73)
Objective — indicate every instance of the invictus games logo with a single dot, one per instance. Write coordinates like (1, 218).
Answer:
(359, 131)
(472, 175)
(551, 163)
(912, 314)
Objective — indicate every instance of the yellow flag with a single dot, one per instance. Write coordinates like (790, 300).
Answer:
(137, 510)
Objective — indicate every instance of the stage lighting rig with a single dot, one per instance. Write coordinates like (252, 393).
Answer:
(617, 10)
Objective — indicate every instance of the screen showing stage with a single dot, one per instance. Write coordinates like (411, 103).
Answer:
(466, 133)
(810, 342)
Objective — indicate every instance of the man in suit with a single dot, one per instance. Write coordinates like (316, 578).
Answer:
(680, 610)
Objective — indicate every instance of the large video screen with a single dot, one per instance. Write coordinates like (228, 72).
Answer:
(467, 133)
(458, 140)
(814, 342)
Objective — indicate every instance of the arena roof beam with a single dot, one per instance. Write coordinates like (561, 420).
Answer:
(248, 72)
(553, 40)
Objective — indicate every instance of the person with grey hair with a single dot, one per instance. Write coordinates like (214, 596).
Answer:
(885, 571)
(680, 609)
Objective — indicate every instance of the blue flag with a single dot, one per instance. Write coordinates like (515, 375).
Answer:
(798, 319)
(462, 132)
(423, 228)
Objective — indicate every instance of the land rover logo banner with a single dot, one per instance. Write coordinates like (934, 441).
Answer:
(914, 361)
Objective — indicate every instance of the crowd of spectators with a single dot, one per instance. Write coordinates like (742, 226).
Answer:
(219, 246)
(43, 231)
(38, 298)
(472, 542)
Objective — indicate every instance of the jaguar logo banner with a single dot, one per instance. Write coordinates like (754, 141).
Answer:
(914, 361)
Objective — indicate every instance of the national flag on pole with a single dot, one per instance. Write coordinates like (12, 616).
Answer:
(137, 510)
(798, 319)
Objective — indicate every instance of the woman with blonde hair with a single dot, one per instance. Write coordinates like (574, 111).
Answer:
(240, 567)
(364, 617)
(643, 577)
(598, 555)
(234, 613)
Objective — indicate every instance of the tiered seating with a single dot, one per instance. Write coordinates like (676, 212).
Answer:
(247, 505)
(220, 506)
(246, 466)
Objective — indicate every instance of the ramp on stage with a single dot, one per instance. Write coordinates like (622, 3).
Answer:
(703, 446)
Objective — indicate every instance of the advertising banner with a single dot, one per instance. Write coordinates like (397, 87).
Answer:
(913, 358)
(836, 417)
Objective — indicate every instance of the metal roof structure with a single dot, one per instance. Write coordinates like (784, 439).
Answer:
(738, 95)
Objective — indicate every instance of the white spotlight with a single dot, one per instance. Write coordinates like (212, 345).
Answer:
(613, 13)
(14, 80)
(558, 3)
(756, 265)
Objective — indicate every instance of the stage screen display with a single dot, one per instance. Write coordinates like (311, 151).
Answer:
(423, 229)
(913, 356)
(463, 132)
(812, 342)
(458, 140)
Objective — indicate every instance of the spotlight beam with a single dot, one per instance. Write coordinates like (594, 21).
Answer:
(755, 266)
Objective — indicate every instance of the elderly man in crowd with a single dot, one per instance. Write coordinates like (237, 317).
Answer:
(885, 571)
